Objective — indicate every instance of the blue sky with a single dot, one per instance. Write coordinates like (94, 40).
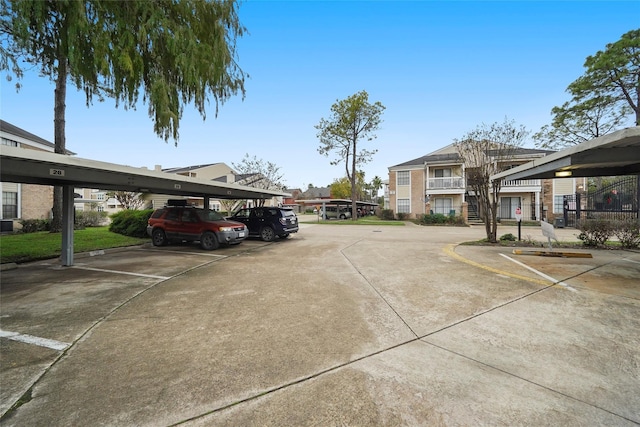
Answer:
(440, 69)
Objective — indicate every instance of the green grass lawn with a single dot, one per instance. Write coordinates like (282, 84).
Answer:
(44, 245)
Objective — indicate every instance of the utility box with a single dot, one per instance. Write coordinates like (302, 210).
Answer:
(6, 225)
(558, 223)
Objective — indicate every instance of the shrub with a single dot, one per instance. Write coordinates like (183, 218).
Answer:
(508, 237)
(90, 218)
(402, 216)
(595, 232)
(440, 219)
(433, 219)
(386, 214)
(130, 222)
(628, 232)
(34, 225)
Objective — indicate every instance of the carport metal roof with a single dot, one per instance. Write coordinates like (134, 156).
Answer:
(45, 168)
(41, 167)
(615, 154)
(332, 202)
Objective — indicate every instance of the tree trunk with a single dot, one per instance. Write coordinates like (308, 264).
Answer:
(59, 138)
(493, 237)
(354, 210)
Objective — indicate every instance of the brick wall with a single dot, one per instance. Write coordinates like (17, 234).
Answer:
(37, 201)
(417, 193)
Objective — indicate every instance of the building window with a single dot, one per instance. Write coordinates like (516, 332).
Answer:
(442, 173)
(558, 204)
(100, 208)
(404, 206)
(9, 205)
(9, 142)
(443, 205)
(402, 178)
(100, 196)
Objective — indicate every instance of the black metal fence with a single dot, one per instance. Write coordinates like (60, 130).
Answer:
(618, 200)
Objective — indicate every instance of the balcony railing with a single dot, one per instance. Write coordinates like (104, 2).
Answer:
(446, 183)
(522, 183)
(457, 182)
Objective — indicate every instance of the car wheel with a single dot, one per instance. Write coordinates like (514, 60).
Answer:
(209, 241)
(267, 234)
(342, 216)
(158, 238)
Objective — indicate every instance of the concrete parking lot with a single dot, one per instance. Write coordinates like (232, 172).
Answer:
(338, 325)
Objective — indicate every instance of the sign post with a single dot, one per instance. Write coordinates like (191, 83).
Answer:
(518, 215)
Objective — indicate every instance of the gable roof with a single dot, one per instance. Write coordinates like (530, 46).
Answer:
(316, 193)
(11, 129)
(188, 168)
(439, 157)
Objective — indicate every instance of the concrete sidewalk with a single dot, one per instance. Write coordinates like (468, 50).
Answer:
(338, 325)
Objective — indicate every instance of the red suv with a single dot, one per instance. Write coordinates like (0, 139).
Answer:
(185, 223)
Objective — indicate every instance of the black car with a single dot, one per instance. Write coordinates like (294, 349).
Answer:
(268, 222)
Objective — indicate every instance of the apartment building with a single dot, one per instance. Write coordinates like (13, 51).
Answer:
(23, 201)
(437, 183)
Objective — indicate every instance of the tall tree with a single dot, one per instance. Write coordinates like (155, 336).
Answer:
(613, 73)
(376, 185)
(341, 188)
(486, 151)
(128, 199)
(352, 120)
(174, 52)
(604, 99)
(576, 122)
(259, 173)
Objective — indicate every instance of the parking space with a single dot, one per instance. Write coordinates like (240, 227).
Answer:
(350, 325)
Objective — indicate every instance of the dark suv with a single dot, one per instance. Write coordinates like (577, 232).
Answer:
(268, 222)
(184, 223)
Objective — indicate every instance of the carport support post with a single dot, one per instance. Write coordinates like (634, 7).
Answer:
(67, 225)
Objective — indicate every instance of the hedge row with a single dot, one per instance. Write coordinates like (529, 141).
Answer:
(596, 232)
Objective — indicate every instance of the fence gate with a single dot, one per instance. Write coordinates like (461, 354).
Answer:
(618, 200)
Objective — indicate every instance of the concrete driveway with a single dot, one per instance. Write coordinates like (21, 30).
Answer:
(338, 325)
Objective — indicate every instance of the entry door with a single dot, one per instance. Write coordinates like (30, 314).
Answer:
(508, 207)
(443, 205)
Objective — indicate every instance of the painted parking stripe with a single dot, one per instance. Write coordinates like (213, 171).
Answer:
(30, 339)
(151, 276)
(184, 252)
(539, 273)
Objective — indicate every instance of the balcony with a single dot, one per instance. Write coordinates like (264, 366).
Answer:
(446, 183)
(521, 183)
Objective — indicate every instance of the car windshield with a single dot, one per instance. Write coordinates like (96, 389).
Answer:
(288, 213)
(210, 216)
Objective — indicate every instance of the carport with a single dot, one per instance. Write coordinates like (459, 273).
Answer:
(44, 168)
(336, 202)
(615, 154)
